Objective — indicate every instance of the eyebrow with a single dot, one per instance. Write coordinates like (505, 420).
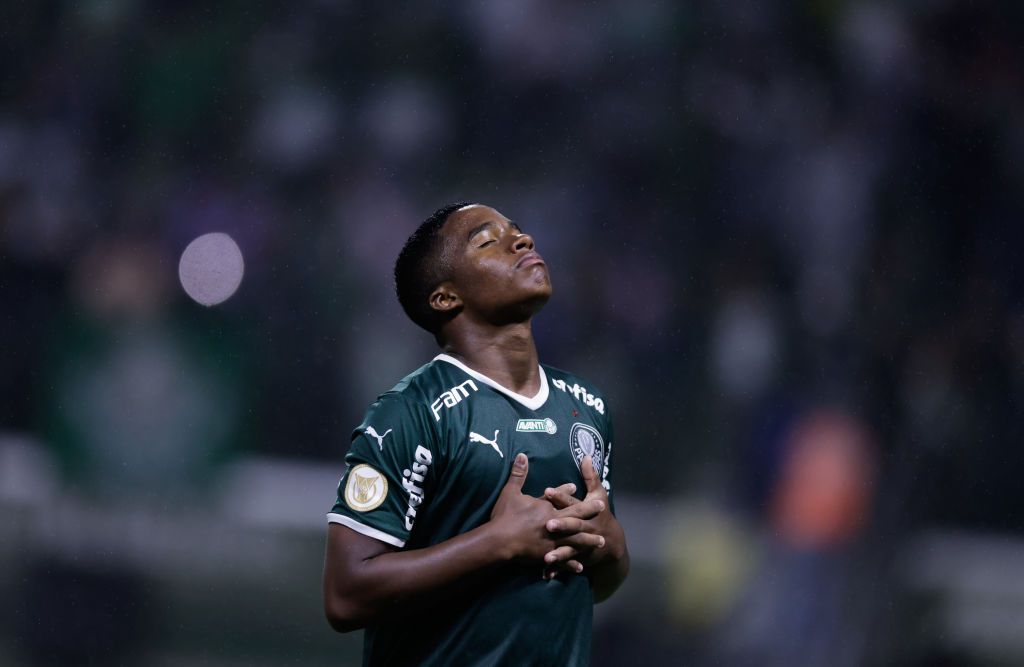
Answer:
(490, 223)
(479, 228)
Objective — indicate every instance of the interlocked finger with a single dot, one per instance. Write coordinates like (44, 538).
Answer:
(568, 526)
(581, 541)
(586, 509)
(553, 570)
(561, 554)
(561, 497)
(590, 476)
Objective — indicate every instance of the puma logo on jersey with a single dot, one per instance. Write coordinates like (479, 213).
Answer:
(452, 397)
(380, 438)
(476, 437)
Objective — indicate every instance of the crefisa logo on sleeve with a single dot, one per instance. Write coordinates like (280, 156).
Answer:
(412, 480)
(584, 440)
(537, 426)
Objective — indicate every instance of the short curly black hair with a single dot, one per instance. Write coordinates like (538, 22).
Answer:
(421, 267)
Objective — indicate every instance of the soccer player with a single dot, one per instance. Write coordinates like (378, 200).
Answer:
(474, 524)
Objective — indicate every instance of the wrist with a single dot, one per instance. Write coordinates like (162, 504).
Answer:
(614, 550)
(614, 543)
(499, 541)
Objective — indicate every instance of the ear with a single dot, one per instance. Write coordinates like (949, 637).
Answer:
(444, 299)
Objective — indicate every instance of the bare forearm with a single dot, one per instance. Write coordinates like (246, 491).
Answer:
(375, 585)
(364, 579)
(607, 576)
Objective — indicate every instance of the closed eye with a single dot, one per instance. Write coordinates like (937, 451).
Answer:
(487, 243)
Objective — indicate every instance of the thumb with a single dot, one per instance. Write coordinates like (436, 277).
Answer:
(590, 476)
(520, 467)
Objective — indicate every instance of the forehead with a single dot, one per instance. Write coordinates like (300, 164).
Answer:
(468, 217)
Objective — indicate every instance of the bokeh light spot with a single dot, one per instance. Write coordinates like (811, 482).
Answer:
(211, 268)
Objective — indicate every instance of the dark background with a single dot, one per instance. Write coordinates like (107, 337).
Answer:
(785, 240)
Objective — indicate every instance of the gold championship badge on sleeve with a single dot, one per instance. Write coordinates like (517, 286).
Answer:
(366, 488)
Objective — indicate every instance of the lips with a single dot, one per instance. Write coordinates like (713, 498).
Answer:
(529, 259)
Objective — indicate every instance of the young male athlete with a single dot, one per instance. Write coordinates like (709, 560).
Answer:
(474, 524)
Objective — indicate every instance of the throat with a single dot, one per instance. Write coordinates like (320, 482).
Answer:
(509, 358)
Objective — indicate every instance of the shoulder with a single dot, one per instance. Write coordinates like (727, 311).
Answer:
(582, 390)
(571, 378)
(418, 390)
(403, 410)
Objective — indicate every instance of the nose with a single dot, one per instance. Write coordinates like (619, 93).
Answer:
(522, 243)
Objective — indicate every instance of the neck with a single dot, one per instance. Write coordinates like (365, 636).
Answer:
(506, 354)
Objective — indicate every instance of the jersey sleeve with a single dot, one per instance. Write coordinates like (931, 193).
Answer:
(606, 472)
(389, 476)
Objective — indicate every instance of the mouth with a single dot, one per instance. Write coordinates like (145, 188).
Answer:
(529, 259)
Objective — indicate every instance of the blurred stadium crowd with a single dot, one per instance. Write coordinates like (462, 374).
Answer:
(785, 240)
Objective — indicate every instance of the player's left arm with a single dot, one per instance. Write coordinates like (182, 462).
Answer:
(606, 566)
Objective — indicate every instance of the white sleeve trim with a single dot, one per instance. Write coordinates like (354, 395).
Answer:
(364, 529)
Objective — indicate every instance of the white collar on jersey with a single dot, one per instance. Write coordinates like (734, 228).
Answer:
(533, 403)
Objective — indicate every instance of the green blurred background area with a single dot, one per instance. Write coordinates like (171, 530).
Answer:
(785, 240)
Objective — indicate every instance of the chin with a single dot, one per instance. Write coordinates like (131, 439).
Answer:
(533, 303)
(525, 307)
(540, 285)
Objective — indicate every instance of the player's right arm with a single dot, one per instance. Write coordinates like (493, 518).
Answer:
(368, 574)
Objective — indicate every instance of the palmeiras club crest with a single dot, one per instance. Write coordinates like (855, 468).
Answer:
(585, 441)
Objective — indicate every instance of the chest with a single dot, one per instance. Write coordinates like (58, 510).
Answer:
(484, 440)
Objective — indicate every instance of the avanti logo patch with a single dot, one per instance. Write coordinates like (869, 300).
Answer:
(537, 426)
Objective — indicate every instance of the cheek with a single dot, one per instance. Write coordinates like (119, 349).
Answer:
(480, 279)
(484, 270)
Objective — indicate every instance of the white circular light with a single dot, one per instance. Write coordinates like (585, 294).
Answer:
(211, 268)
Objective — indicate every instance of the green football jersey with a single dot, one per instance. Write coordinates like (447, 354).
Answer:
(428, 463)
